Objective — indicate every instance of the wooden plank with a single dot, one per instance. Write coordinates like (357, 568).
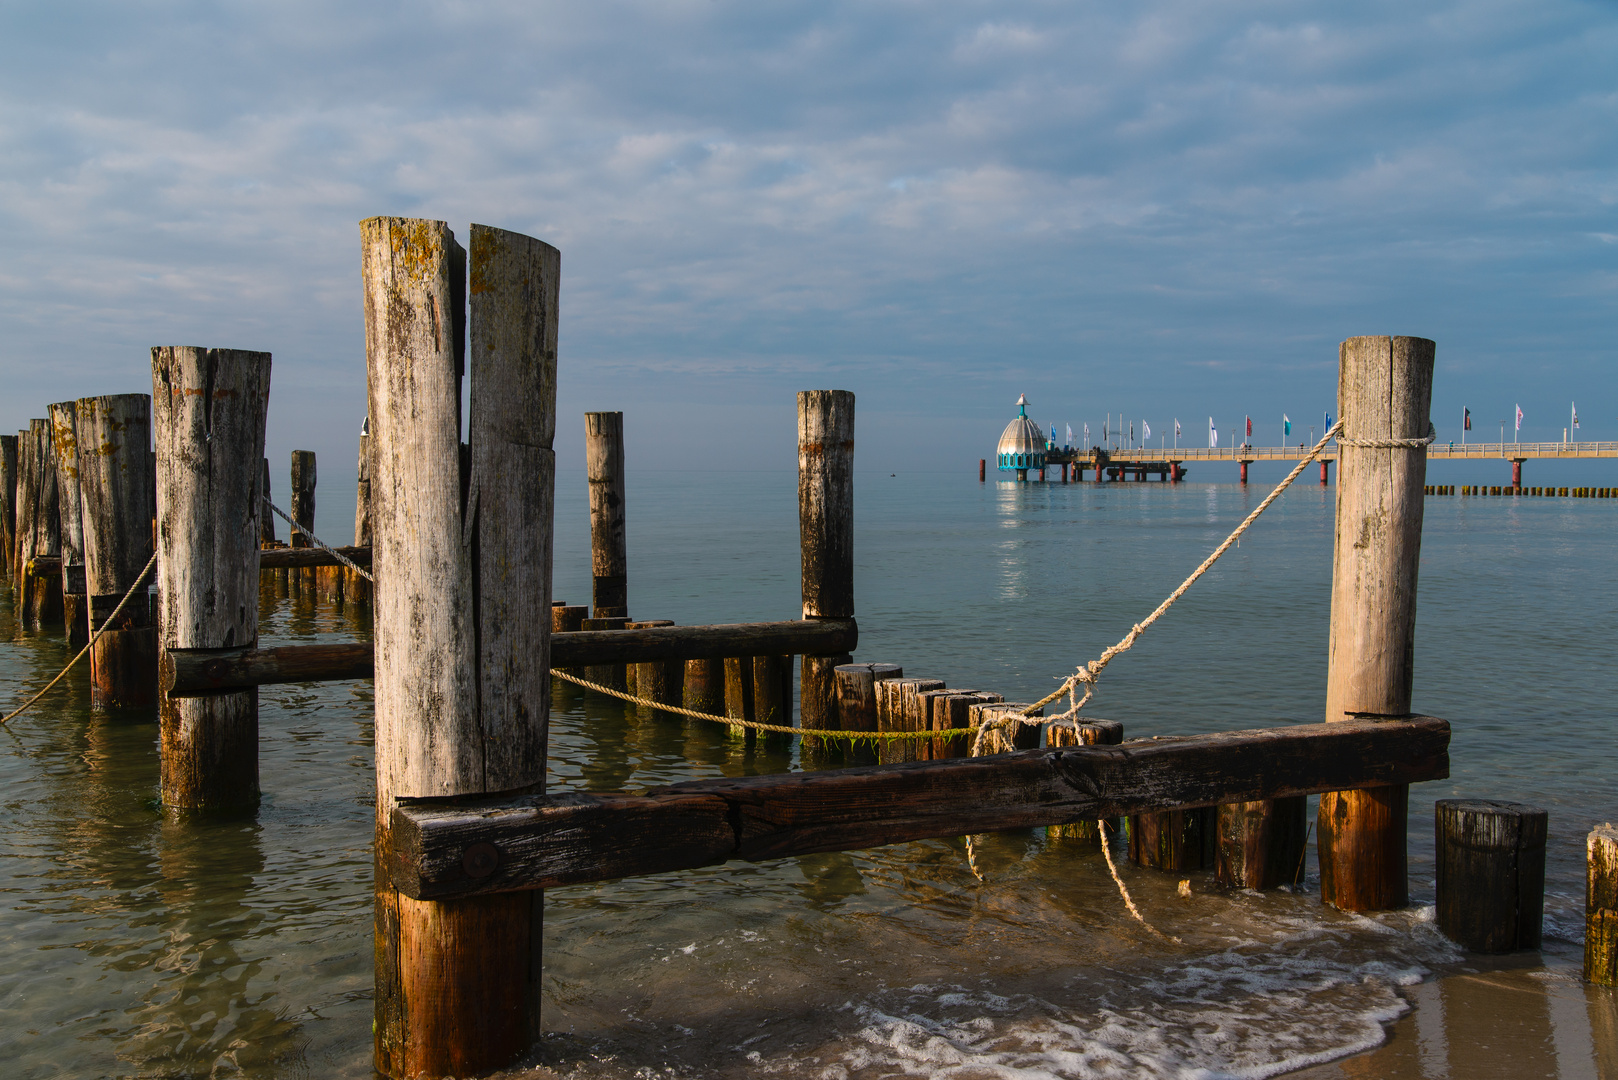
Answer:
(294, 558)
(841, 810)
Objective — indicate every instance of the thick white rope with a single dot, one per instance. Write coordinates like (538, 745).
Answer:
(315, 540)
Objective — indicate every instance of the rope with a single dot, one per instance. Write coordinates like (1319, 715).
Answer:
(1392, 444)
(1106, 849)
(315, 540)
(139, 579)
(781, 729)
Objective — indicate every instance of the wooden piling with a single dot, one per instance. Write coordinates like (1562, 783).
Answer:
(114, 434)
(1178, 841)
(856, 703)
(1260, 845)
(897, 710)
(39, 527)
(704, 688)
(609, 559)
(357, 587)
(739, 689)
(208, 412)
(663, 681)
(1384, 389)
(951, 710)
(8, 501)
(301, 493)
(1601, 906)
(1490, 860)
(825, 536)
(615, 676)
(463, 623)
(65, 459)
(1076, 733)
(982, 469)
(772, 696)
(266, 519)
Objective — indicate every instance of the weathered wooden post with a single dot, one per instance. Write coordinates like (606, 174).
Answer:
(266, 522)
(704, 688)
(856, 703)
(1081, 733)
(609, 559)
(462, 617)
(65, 460)
(1261, 844)
(114, 446)
(1601, 906)
(825, 537)
(208, 411)
(39, 526)
(8, 500)
(357, 587)
(1174, 840)
(1384, 387)
(302, 511)
(1491, 873)
(772, 696)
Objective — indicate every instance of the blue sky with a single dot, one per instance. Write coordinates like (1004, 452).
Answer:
(1155, 208)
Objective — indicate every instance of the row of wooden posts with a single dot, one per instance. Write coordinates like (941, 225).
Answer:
(466, 633)
(1551, 492)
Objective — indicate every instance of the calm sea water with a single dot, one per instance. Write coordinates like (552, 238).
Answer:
(135, 943)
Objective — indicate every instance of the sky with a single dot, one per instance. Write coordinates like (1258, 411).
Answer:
(1159, 209)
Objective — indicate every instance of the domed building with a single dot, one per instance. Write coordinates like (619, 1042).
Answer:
(1022, 446)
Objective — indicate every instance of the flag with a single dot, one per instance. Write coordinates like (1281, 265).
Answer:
(1070, 434)
(1086, 434)
(1053, 434)
(1104, 433)
(1519, 418)
(1145, 430)
(1575, 416)
(1286, 424)
(1249, 427)
(1466, 421)
(1213, 435)
(1176, 427)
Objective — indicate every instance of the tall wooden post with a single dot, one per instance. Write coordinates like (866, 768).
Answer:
(39, 526)
(1601, 906)
(266, 520)
(115, 435)
(208, 412)
(462, 615)
(825, 536)
(1384, 387)
(65, 459)
(357, 587)
(8, 500)
(301, 507)
(609, 559)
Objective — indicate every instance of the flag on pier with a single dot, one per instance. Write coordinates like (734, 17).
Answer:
(1575, 415)
(1519, 418)
(1466, 421)
(1286, 425)
(1176, 427)
(1249, 427)
(1086, 434)
(1070, 434)
(1213, 435)
(1145, 430)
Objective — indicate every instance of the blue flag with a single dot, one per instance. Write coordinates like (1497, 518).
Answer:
(1286, 424)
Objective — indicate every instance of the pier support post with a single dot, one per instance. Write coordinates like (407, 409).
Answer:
(825, 536)
(8, 500)
(1384, 390)
(1325, 473)
(609, 559)
(983, 467)
(65, 459)
(1491, 873)
(115, 434)
(209, 408)
(1601, 906)
(463, 621)
(1516, 476)
(1244, 472)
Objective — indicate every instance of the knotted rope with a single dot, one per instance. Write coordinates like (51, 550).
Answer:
(317, 542)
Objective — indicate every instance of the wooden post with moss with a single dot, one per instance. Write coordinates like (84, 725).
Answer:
(1384, 388)
(208, 410)
(1601, 906)
(115, 434)
(463, 618)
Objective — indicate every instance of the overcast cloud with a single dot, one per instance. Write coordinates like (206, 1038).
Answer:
(1162, 208)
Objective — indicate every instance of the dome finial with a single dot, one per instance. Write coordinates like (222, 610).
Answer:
(1022, 404)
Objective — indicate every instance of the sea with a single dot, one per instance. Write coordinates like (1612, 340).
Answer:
(136, 942)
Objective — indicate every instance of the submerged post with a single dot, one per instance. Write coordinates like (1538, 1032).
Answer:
(1490, 859)
(463, 618)
(825, 536)
(115, 435)
(1383, 391)
(609, 560)
(208, 411)
(301, 508)
(65, 459)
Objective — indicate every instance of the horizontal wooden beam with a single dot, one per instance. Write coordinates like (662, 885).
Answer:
(290, 558)
(444, 849)
(193, 674)
(43, 566)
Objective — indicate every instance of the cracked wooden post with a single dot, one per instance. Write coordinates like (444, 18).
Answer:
(825, 538)
(65, 459)
(115, 434)
(8, 500)
(462, 615)
(1490, 862)
(1601, 906)
(609, 559)
(208, 413)
(1384, 388)
(39, 526)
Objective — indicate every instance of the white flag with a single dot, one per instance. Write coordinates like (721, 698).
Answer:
(1575, 416)
(1213, 435)
(1176, 427)
(1086, 434)
(1519, 418)
(1146, 430)
(1070, 434)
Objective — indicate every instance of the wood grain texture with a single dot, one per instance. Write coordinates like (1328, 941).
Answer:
(1384, 392)
(1074, 733)
(897, 710)
(208, 416)
(826, 502)
(1176, 841)
(65, 454)
(818, 693)
(197, 673)
(609, 559)
(782, 815)
(39, 526)
(114, 439)
(739, 690)
(301, 494)
(8, 501)
(704, 688)
(1261, 845)
(1490, 863)
(362, 492)
(1601, 906)
(856, 693)
(288, 558)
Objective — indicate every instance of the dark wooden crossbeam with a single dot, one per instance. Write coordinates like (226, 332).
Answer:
(290, 558)
(447, 848)
(192, 674)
